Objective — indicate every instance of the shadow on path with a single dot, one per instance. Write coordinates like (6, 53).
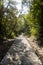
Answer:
(20, 53)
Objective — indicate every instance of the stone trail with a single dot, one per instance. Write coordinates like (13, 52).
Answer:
(21, 53)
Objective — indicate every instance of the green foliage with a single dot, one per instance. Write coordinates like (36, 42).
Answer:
(35, 18)
(26, 25)
(8, 20)
(11, 25)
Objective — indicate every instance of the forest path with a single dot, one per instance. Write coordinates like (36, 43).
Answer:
(21, 53)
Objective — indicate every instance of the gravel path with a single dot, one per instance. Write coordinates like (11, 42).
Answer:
(21, 53)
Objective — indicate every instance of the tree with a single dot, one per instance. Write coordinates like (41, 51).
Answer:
(8, 19)
(1, 17)
(36, 9)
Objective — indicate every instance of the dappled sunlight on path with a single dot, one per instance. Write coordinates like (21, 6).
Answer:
(20, 53)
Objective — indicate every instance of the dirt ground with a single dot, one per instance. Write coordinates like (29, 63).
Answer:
(4, 47)
(37, 48)
(21, 53)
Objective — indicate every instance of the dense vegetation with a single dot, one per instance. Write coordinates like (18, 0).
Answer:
(35, 19)
(36, 10)
(30, 23)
